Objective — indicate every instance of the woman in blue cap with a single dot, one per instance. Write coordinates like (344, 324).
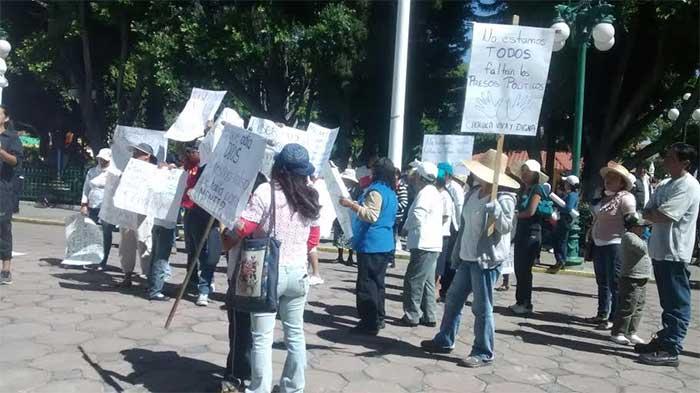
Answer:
(297, 211)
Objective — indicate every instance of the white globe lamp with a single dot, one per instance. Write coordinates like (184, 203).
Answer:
(603, 32)
(3, 82)
(604, 46)
(561, 31)
(558, 45)
(687, 96)
(673, 114)
(696, 114)
(5, 48)
(3, 67)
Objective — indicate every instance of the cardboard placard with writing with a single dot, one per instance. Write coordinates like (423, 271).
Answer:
(227, 181)
(447, 148)
(200, 108)
(83, 241)
(507, 78)
(126, 137)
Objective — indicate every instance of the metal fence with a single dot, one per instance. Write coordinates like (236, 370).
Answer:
(42, 182)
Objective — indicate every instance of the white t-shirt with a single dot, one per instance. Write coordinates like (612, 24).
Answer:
(678, 199)
(448, 211)
(473, 214)
(424, 221)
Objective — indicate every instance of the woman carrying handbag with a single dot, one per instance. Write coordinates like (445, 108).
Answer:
(280, 229)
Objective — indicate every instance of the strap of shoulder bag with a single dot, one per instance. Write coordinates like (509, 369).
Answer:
(273, 215)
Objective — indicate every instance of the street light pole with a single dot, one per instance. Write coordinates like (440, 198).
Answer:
(578, 119)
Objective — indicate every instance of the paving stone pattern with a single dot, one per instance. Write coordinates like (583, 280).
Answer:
(69, 330)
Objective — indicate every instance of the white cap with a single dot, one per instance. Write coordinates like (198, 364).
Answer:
(572, 180)
(427, 170)
(105, 154)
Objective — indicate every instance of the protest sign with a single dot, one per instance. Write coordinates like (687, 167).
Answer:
(507, 78)
(320, 145)
(83, 241)
(325, 221)
(227, 181)
(112, 214)
(208, 144)
(447, 148)
(337, 189)
(150, 191)
(126, 137)
(200, 108)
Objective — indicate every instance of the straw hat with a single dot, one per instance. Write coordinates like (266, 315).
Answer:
(484, 169)
(614, 167)
(533, 166)
(349, 175)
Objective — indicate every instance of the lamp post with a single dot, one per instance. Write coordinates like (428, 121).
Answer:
(584, 22)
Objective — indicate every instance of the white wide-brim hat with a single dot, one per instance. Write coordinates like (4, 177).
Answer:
(105, 154)
(620, 169)
(533, 166)
(484, 169)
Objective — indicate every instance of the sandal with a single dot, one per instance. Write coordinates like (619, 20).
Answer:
(503, 288)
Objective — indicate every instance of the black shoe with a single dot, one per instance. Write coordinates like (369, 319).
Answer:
(659, 358)
(126, 283)
(159, 298)
(430, 346)
(406, 322)
(428, 324)
(364, 331)
(652, 347)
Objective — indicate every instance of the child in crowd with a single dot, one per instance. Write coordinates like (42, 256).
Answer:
(636, 269)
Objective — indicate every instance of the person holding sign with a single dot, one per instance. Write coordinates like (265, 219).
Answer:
(91, 201)
(477, 257)
(137, 241)
(297, 211)
(528, 234)
(424, 225)
(163, 235)
(373, 240)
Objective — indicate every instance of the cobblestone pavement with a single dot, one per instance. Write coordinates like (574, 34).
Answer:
(68, 330)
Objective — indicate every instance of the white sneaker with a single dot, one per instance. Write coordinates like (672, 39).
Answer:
(212, 288)
(634, 339)
(315, 280)
(620, 339)
(519, 309)
(203, 300)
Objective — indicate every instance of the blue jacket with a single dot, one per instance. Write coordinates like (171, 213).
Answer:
(377, 237)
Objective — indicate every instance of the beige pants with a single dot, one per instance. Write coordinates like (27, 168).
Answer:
(131, 245)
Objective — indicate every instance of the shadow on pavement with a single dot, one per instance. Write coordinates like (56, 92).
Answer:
(545, 316)
(164, 371)
(564, 292)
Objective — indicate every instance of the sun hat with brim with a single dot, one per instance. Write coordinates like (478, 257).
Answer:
(573, 180)
(533, 166)
(105, 154)
(614, 167)
(144, 147)
(427, 170)
(295, 159)
(349, 175)
(484, 169)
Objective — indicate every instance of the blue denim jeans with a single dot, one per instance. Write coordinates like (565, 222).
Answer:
(292, 288)
(208, 259)
(673, 284)
(607, 263)
(163, 239)
(470, 278)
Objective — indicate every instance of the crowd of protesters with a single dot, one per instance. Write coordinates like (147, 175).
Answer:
(462, 233)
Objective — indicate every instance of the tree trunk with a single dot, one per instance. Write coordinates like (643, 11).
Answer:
(123, 52)
(94, 130)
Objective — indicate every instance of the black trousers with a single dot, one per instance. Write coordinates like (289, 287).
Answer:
(5, 240)
(240, 341)
(526, 251)
(370, 289)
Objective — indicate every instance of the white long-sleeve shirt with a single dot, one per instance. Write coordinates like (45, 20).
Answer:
(94, 187)
(424, 221)
(457, 193)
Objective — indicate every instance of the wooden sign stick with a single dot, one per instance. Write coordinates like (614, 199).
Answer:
(497, 164)
(195, 262)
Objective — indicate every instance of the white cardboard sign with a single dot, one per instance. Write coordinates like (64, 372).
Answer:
(507, 79)
(112, 214)
(126, 137)
(227, 181)
(209, 142)
(151, 191)
(83, 241)
(447, 148)
(336, 189)
(200, 108)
